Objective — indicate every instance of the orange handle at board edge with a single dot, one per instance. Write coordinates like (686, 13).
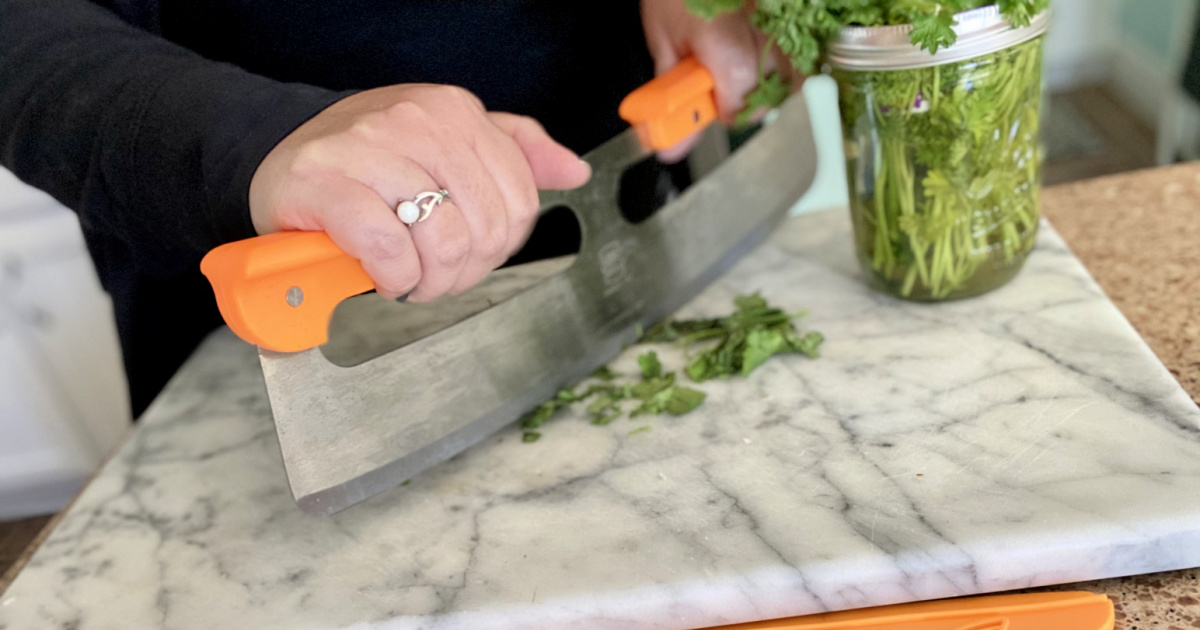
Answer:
(1070, 610)
(253, 278)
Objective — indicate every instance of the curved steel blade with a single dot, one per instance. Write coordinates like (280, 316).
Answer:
(347, 433)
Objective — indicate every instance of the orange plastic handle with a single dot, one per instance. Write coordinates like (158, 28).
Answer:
(673, 106)
(279, 291)
(1075, 610)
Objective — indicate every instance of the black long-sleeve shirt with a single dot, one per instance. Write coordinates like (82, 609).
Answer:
(149, 117)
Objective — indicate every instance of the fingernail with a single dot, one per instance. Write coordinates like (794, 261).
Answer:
(403, 298)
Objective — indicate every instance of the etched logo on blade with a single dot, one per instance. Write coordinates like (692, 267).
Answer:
(615, 264)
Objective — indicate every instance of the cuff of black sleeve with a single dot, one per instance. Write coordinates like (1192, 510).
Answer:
(199, 139)
(267, 112)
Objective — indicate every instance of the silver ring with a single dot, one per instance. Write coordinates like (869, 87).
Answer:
(419, 208)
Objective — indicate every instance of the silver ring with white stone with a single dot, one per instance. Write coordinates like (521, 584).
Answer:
(419, 209)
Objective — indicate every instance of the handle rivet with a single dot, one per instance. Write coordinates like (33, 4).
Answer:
(295, 297)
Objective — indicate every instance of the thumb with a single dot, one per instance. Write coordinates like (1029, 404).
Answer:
(554, 166)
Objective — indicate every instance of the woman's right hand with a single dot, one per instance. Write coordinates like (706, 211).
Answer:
(346, 169)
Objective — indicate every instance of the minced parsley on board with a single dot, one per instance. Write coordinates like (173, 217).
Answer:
(716, 348)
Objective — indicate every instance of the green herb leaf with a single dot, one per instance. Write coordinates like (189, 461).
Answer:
(604, 373)
(809, 345)
(605, 418)
(649, 388)
(931, 31)
(770, 92)
(683, 400)
(761, 344)
(531, 436)
(638, 430)
(709, 9)
(698, 369)
(542, 414)
(602, 403)
(649, 364)
(1020, 12)
(750, 303)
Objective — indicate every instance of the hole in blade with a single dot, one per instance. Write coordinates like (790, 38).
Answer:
(649, 185)
(556, 234)
(367, 326)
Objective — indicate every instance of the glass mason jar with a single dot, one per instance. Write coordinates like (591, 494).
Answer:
(943, 153)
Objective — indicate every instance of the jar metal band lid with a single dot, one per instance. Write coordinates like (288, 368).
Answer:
(980, 31)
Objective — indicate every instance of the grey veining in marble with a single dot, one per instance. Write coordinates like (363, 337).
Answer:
(1023, 438)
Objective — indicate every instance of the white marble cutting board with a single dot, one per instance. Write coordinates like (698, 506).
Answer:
(1027, 437)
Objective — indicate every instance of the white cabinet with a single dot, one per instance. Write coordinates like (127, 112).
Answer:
(63, 398)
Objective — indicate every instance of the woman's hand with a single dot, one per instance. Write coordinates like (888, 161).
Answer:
(729, 46)
(345, 170)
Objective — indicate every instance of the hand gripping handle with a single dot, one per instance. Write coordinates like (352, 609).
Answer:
(279, 291)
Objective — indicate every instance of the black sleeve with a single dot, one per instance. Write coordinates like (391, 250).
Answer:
(150, 143)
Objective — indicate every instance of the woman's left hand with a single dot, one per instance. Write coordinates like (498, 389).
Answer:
(729, 46)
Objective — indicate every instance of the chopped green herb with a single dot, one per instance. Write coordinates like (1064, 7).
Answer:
(739, 343)
(606, 418)
(649, 388)
(729, 346)
(638, 430)
(761, 344)
(604, 373)
(684, 399)
(651, 368)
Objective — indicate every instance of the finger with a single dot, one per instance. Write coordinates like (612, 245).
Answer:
(443, 157)
(729, 50)
(476, 197)
(662, 49)
(362, 224)
(504, 159)
(487, 214)
(443, 244)
(554, 166)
